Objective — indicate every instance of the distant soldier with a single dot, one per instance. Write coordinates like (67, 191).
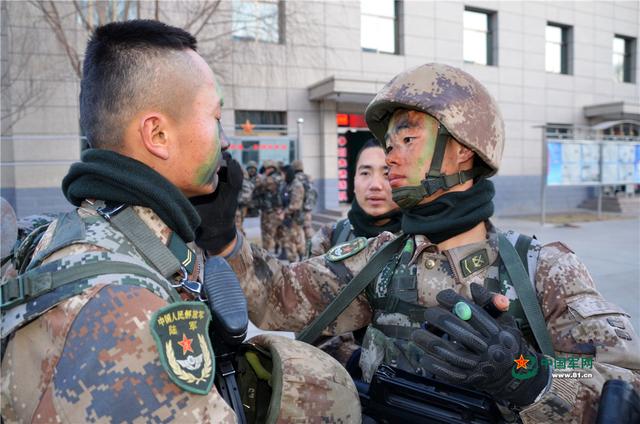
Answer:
(252, 172)
(310, 200)
(245, 199)
(293, 216)
(268, 195)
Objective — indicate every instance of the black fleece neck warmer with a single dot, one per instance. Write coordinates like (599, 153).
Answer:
(109, 176)
(365, 225)
(452, 213)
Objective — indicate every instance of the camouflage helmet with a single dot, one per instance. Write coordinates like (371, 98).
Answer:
(453, 97)
(313, 386)
(297, 165)
(269, 163)
(251, 164)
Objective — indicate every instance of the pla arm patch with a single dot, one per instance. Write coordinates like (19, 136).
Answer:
(181, 332)
(347, 249)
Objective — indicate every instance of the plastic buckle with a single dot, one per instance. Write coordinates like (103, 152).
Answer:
(8, 304)
(108, 213)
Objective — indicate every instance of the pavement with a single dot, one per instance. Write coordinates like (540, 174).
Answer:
(610, 249)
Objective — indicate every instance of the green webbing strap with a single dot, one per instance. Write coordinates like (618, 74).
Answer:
(39, 281)
(528, 300)
(140, 235)
(522, 247)
(341, 232)
(350, 291)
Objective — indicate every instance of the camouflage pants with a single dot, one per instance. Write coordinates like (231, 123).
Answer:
(293, 242)
(269, 222)
(308, 228)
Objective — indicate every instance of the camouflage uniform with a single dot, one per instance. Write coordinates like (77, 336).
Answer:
(321, 241)
(92, 357)
(308, 227)
(293, 244)
(245, 200)
(580, 321)
(267, 192)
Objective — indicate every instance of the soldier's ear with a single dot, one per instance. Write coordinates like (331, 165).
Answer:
(464, 154)
(155, 135)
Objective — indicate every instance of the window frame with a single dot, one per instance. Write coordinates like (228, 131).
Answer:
(281, 21)
(398, 31)
(628, 57)
(491, 36)
(566, 48)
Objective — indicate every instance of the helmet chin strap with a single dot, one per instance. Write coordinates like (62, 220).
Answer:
(408, 197)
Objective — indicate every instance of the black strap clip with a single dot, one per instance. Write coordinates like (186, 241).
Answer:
(11, 293)
(108, 212)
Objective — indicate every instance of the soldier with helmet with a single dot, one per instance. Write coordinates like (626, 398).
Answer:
(268, 195)
(455, 296)
(310, 201)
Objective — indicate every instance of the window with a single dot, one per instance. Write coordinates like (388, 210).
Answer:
(257, 20)
(379, 26)
(479, 33)
(259, 121)
(623, 58)
(557, 49)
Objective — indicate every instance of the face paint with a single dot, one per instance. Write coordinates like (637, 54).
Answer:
(207, 173)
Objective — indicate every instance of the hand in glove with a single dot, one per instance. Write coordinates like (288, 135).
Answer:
(481, 350)
(218, 209)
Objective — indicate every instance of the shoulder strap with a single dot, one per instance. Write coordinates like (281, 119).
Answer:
(341, 232)
(350, 291)
(59, 274)
(520, 280)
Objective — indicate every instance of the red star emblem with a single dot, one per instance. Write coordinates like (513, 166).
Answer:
(521, 362)
(185, 344)
(247, 127)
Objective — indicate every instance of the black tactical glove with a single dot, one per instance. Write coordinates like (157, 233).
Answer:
(218, 209)
(481, 351)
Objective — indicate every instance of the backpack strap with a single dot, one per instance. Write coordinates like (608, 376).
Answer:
(341, 232)
(65, 278)
(349, 292)
(519, 277)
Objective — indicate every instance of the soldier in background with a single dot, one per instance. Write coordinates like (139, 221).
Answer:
(293, 216)
(309, 204)
(245, 200)
(252, 171)
(372, 211)
(268, 194)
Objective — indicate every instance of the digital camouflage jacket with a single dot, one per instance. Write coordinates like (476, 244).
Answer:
(580, 321)
(92, 358)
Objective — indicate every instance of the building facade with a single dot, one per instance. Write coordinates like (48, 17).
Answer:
(297, 76)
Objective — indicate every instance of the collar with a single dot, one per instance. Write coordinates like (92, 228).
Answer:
(467, 261)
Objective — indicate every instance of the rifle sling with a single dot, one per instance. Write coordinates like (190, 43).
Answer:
(350, 291)
(520, 280)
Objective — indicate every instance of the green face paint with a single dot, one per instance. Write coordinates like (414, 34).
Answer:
(428, 129)
(207, 172)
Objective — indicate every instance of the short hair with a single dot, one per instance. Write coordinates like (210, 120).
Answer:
(124, 65)
(371, 143)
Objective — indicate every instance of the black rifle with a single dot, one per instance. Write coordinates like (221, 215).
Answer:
(228, 327)
(398, 396)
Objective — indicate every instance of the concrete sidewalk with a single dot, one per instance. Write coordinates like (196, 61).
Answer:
(610, 250)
